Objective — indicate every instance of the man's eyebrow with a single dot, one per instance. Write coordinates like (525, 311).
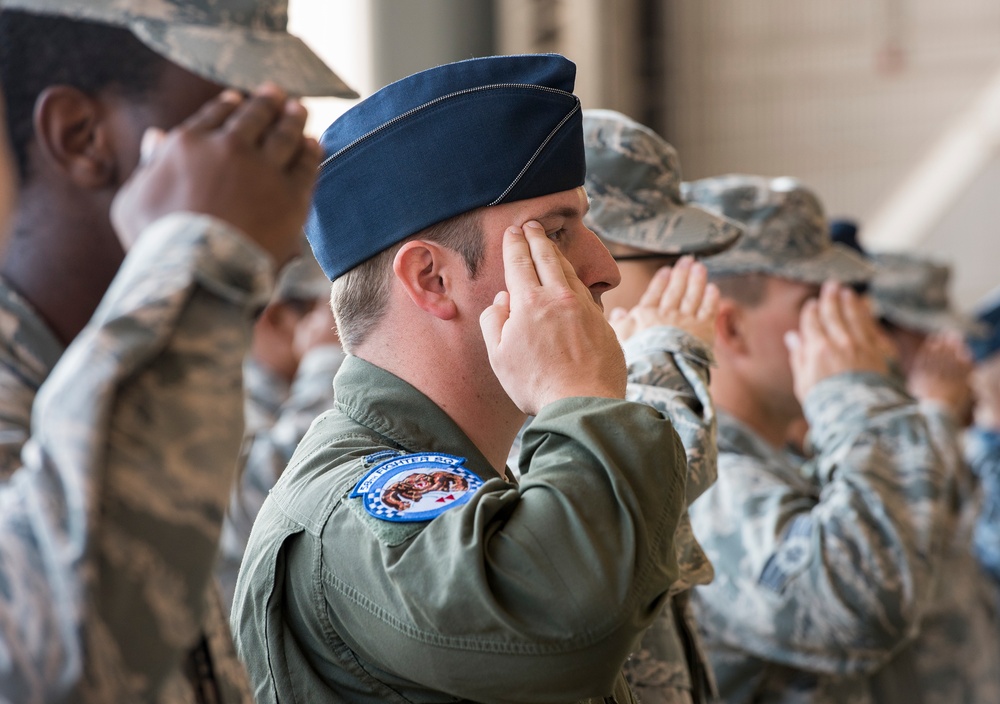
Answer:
(566, 211)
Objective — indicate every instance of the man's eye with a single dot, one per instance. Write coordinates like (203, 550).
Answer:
(557, 235)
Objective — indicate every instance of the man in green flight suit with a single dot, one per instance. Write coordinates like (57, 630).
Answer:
(396, 559)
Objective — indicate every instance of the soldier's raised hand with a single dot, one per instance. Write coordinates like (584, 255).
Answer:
(941, 373)
(679, 297)
(242, 160)
(546, 337)
(836, 334)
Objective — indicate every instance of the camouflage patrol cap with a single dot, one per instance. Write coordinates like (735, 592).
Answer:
(237, 43)
(634, 184)
(786, 232)
(912, 292)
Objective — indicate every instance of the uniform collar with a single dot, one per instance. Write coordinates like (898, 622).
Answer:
(393, 408)
(737, 438)
(26, 342)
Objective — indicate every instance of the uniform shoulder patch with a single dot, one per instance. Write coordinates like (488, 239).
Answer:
(416, 487)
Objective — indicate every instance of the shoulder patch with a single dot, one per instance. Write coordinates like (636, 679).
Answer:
(416, 487)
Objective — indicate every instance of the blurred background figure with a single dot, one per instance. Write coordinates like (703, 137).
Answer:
(822, 568)
(957, 651)
(288, 382)
(665, 319)
(116, 550)
(983, 439)
(910, 297)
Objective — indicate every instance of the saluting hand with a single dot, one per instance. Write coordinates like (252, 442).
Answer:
(836, 334)
(679, 297)
(546, 337)
(242, 160)
(942, 373)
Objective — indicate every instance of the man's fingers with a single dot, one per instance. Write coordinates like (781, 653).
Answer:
(793, 342)
(215, 112)
(492, 320)
(697, 280)
(858, 317)
(256, 114)
(305, 168)
(152, 139)
(709, 308)
(549, 267)
(831, 316)
(657, 285)
(284, 141)
(519, 268)
(677, 286)
(810, 327)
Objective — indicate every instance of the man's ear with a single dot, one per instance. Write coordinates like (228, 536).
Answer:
(730, 335)
(73, 137)
(423, 269)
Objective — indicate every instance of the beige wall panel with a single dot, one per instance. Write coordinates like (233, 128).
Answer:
(795, 87)
(598, 35)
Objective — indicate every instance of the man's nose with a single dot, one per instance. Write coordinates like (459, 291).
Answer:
(597, 269)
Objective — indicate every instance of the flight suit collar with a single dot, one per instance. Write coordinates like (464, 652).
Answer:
(393, 408)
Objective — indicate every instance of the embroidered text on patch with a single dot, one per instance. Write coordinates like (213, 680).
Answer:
(417, 487)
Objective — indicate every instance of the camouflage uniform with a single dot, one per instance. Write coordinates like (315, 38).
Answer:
(668, 370)
(823, 569)
(113, 511)
(633, 179)
(982, 448)
(982, 452)
(112, 520)
(957, 654)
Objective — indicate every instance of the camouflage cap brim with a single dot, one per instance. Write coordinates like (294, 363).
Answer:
(243, 58)
(927, 321)
(239, 47)
(838, 263)
(681, 229)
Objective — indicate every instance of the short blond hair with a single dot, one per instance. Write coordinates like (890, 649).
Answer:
(359, 297)
(747, 289)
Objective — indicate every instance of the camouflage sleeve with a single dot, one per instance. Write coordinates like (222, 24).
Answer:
(830, 575)
(268, 447)
(668, 369)
(983, 455)
(962, 492)
(110, 527)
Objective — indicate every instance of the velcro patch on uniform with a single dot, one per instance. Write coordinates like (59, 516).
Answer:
(791, 557)
(380, 456)
(416, 487)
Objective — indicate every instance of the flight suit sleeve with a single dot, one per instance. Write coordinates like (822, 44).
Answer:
(833, 575)
(111, 525)
(553, 580)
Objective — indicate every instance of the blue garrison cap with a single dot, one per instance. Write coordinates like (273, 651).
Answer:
(440, 143)
(986, 343)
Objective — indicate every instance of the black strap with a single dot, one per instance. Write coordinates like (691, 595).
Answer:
(201, 675)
